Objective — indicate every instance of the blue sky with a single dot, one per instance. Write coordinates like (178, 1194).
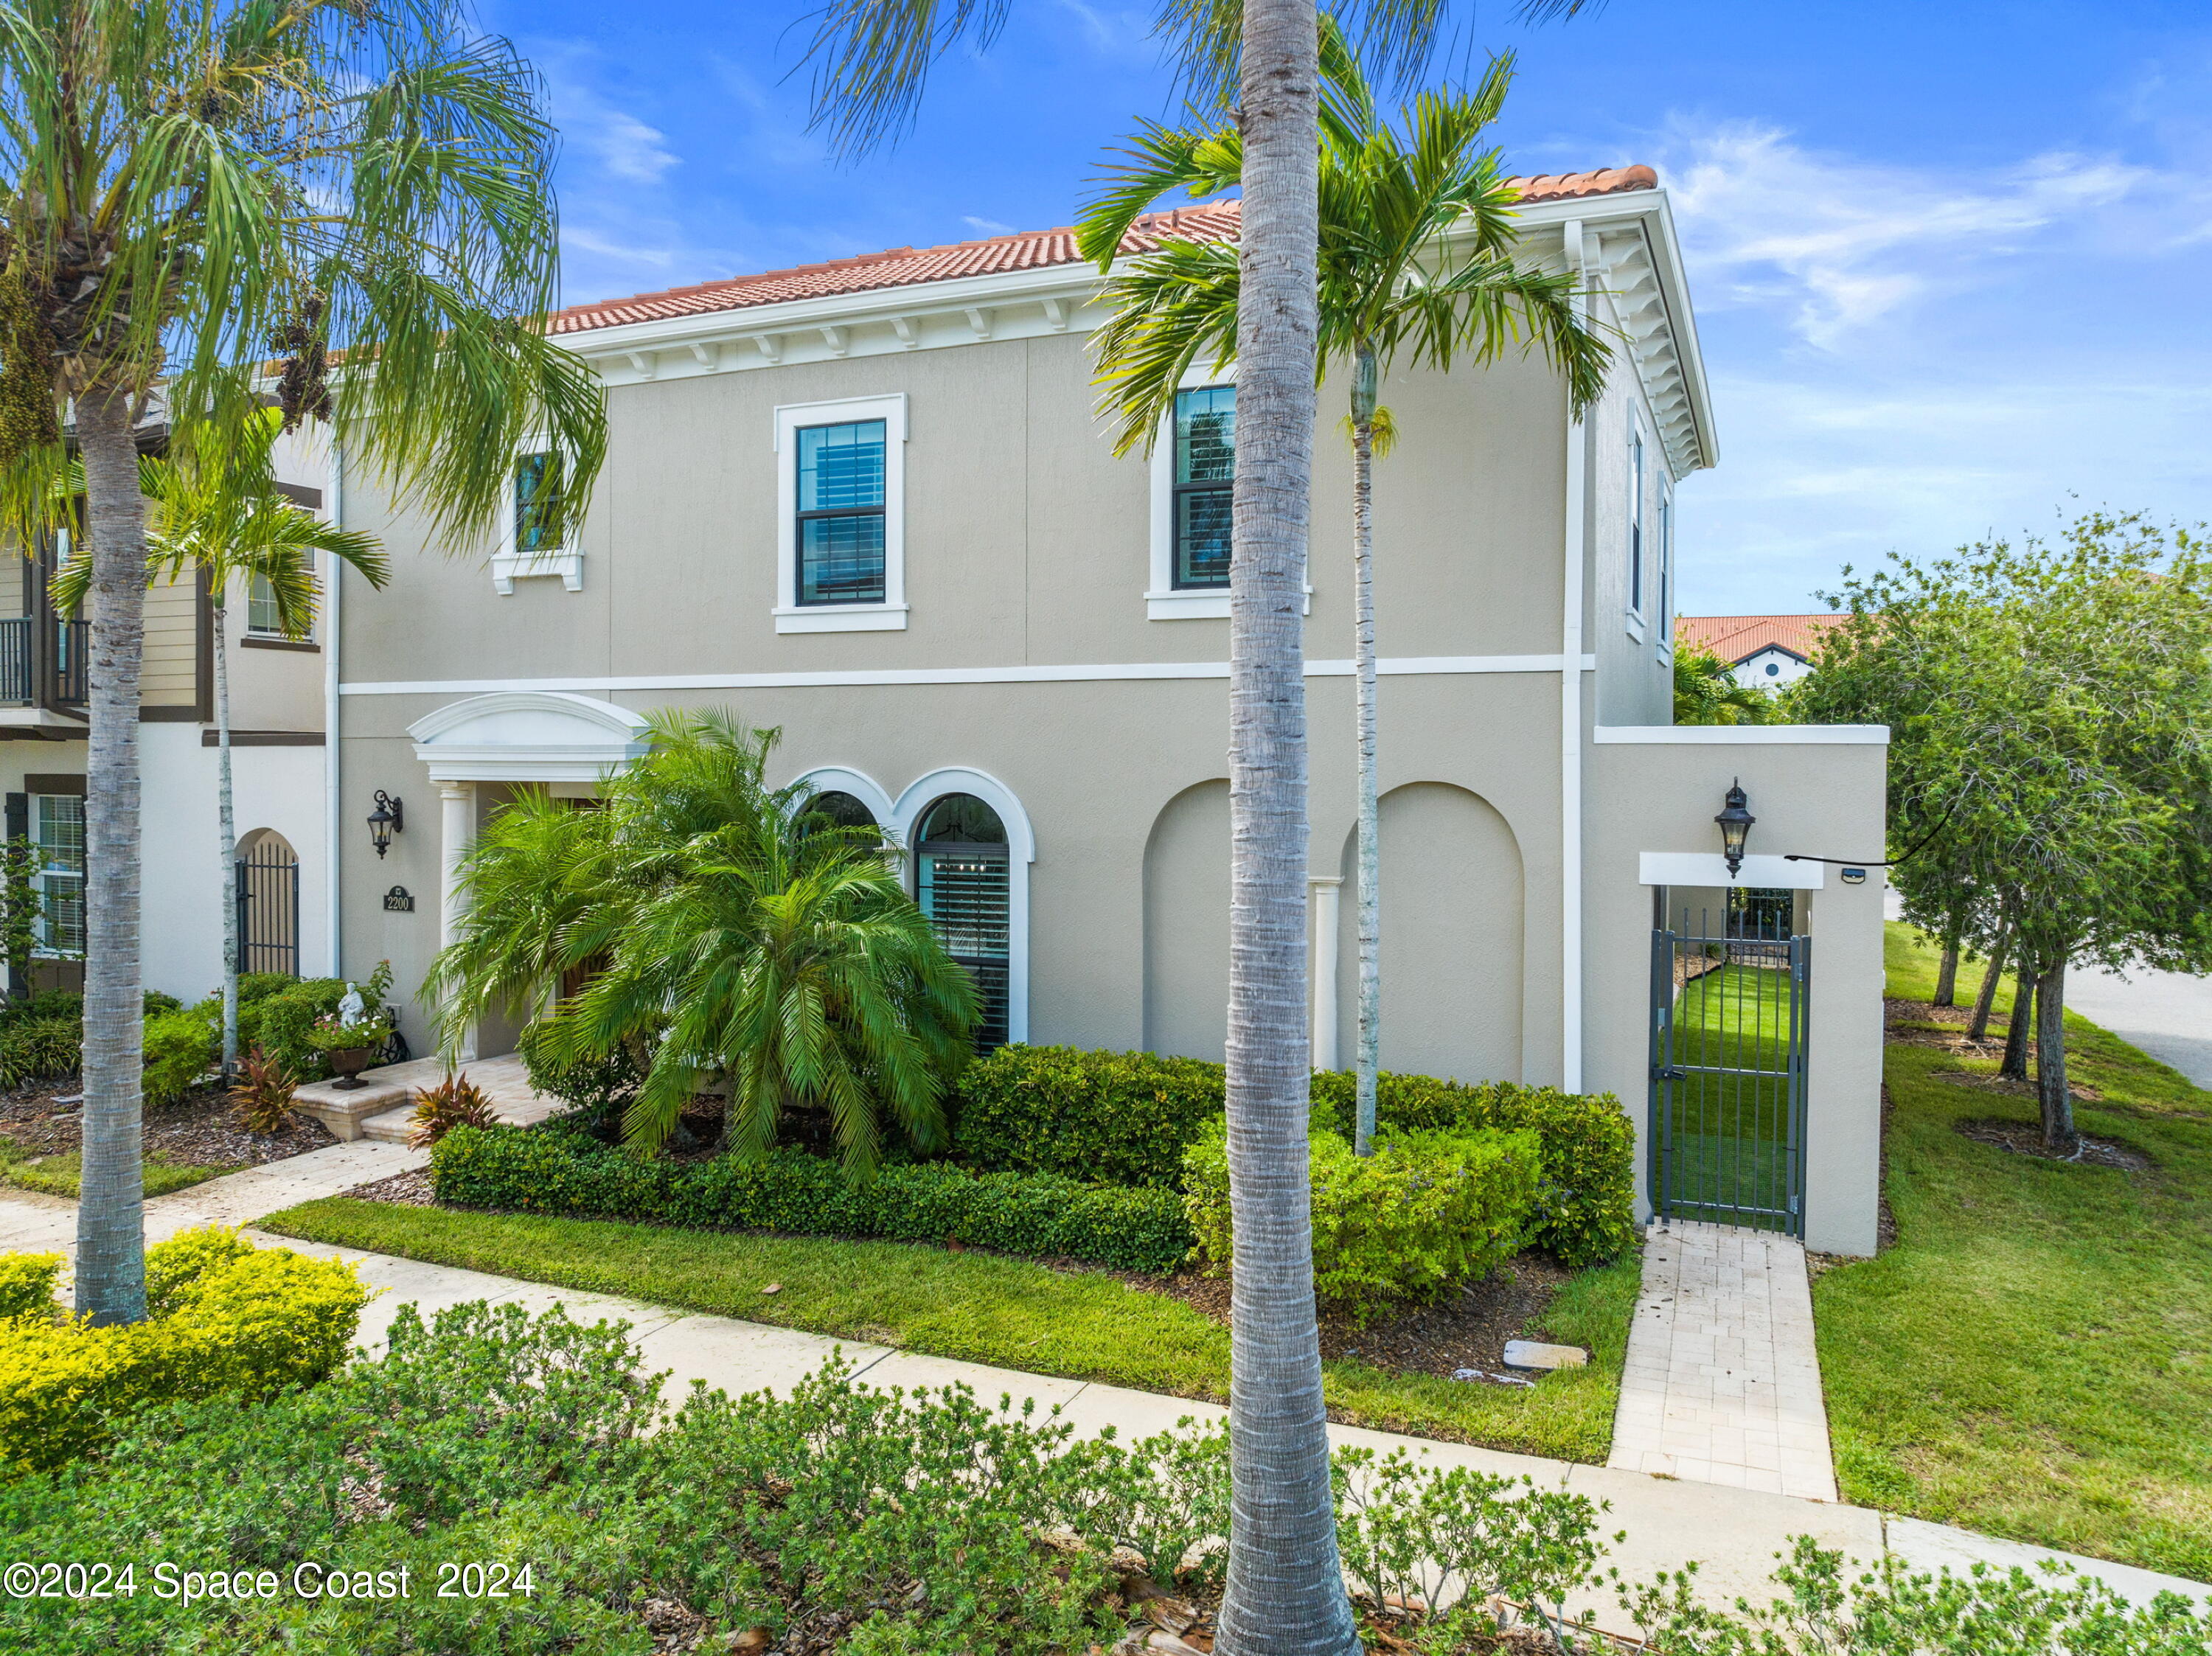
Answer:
(1949, 261)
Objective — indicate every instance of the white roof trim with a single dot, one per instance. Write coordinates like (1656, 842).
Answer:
(528, 736)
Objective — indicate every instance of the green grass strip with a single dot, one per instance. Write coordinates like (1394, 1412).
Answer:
(984, 1308)
(58, 1175)
(2033, 1356)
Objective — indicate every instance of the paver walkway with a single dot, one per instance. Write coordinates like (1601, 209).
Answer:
(1722, 1383)
(1734, 1533)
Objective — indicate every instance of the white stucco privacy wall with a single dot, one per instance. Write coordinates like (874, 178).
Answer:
(279, 788)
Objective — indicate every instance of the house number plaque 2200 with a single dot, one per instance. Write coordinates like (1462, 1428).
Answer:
(399, 900)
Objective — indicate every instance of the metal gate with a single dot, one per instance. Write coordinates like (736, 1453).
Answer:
(269, 907)
(1728, 1069)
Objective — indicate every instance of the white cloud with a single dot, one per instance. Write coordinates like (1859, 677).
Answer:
(986, 227)
(1834, 243)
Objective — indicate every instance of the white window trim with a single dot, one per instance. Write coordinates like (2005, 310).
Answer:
(43, 947)
(509, 566)
(1666, 605)
(1021, 852)
(1164, 600)
(1632, 608)
(890, 616)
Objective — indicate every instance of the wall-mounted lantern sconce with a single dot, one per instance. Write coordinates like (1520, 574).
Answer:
(387, 819)
(1736, 820)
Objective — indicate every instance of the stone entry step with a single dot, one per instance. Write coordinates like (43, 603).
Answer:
(379, 1108)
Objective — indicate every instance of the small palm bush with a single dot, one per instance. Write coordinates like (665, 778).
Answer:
(262, 1094)
(730, 936)
(456, 1101)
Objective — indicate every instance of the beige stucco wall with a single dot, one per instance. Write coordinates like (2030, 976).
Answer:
(1813, 796)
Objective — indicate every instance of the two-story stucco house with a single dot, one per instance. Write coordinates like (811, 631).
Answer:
(870, 502)
(277, 720)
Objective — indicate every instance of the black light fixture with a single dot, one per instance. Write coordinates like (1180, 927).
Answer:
(1736, 820)
(387, 819)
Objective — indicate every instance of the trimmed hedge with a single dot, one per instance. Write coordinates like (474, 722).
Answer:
(1125, 1118)
(1040, 1215)
(223, 1317)
(1128, 1117)
(1425, 1212)
(181, 1048)
(1585, 1211)
(26, 1283)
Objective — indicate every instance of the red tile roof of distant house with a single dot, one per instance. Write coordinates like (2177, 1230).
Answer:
(1739, 638)
(1026, 250)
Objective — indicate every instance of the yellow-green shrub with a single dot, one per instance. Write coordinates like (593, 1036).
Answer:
(225, 1318)
(26, 1283)
(1428, 1210)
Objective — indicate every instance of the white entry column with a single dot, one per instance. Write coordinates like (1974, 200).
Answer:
(457, 832)
(1322, 894)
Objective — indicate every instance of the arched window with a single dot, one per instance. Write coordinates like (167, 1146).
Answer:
(844, 809)
(961, 881)
(268, 904)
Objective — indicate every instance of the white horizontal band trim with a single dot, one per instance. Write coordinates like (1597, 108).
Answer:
(1747, 736)
(1709, 868)
(1402, 666)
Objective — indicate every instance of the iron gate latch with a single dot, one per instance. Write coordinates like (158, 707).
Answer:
(1669, 1072)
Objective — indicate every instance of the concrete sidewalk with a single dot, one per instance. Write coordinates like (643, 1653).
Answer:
(1733, 1534)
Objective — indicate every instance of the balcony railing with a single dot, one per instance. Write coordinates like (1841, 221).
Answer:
(65, 667)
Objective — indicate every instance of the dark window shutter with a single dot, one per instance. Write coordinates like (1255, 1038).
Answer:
(19, 816)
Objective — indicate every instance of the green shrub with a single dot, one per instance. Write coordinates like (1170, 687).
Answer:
(1125, 1118)
(41, 1049)
(600, 1088)
(180, 1046)
(26, 1283)
(1128, 1117)
(1038, 1215)
(55, 1004)
(225, 1318)
(279, 1020)
(1585, 1213)
(1425, 1212)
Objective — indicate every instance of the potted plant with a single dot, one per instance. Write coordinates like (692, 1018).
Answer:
(351, 1038)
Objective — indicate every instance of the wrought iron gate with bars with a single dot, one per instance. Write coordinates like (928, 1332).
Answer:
(269, 908)
(1728, 1070)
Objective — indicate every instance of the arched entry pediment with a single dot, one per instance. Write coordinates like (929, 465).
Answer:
(528, 736)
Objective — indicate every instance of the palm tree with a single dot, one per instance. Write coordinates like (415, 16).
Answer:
(1416, 256)
(730, 936)
(187, 186)
(217, 509)
(1285, 1591)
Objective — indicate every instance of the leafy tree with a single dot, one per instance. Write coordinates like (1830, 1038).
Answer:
(729, 935)
(1707, 691)
(187, 188)
(1416, 258)
(2049, 706)
(217, 509)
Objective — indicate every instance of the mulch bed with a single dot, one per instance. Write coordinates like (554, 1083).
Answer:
(1467, 1331)
(2026, 1139)
(199, 1131)
(407, 1190)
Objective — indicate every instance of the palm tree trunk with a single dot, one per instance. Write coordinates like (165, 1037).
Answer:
(2051, 1092)
(227, 835)
(2015, 1066)
(1368, 1062)
(1286, 1588)
(111, 1264)
(1977, 1027)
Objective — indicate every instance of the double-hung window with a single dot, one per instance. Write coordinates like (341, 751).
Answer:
(1666, 614)
(839, 527)
(841, 489)
(58, 863)
(263, 617)
(1635, 519)
(538, 488)
(1205, 477)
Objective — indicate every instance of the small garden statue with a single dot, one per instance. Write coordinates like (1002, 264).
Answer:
(351, 1038)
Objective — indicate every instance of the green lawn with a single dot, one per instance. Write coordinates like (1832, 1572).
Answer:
(2033, 1357)
(57, 1175)
(985, 1308)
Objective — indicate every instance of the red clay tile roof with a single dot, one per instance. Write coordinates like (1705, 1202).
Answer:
(1027, 250)
(1739, 638)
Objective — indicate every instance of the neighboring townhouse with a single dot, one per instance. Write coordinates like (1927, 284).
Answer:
(276, 695)
(871, 503)
(1767, 651)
